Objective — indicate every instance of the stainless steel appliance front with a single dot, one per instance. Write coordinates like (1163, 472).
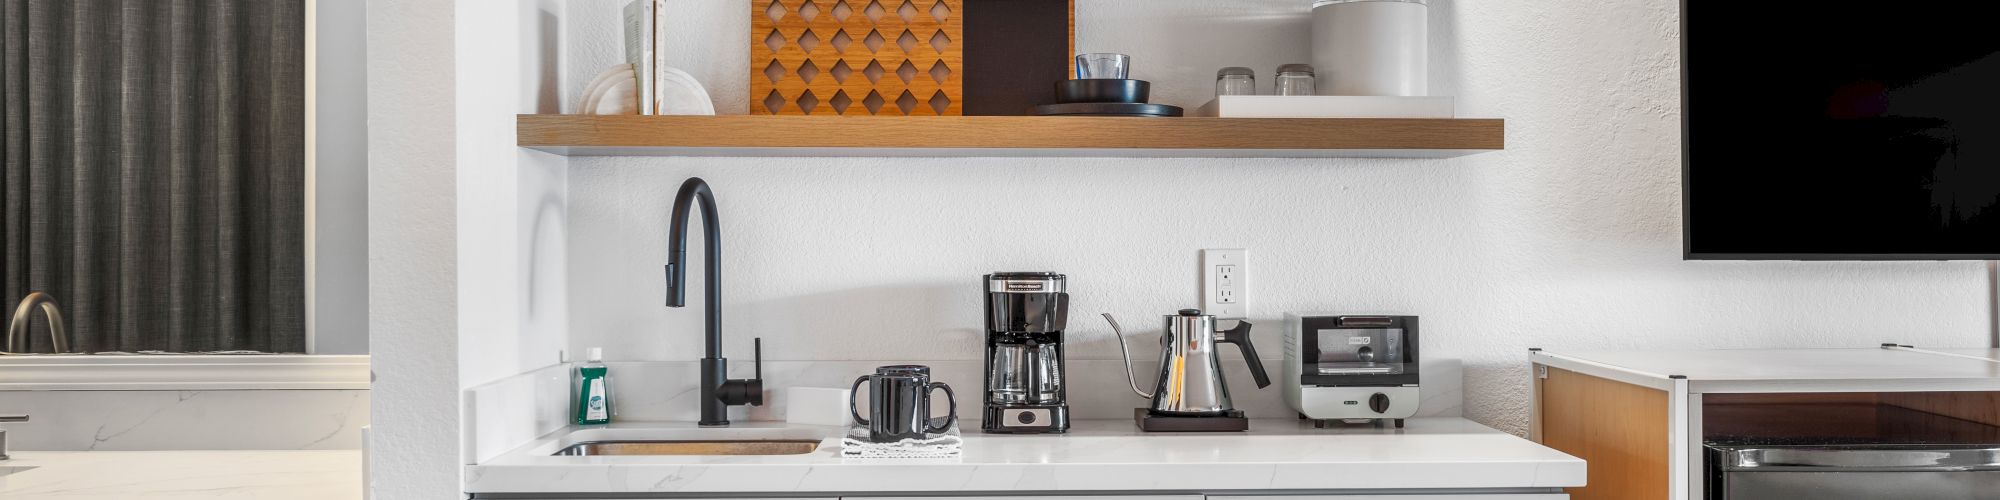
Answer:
(1352, 367)
(1936, 472)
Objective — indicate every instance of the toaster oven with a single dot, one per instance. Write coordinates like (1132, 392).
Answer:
(1351, 367)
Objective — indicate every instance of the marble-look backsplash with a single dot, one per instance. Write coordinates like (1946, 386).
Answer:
(186, 420)
(653, 391)
(506, 413)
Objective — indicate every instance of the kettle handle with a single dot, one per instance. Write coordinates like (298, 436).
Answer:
(1241, 337)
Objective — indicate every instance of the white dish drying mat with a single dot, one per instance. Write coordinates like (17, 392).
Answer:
(942, 445)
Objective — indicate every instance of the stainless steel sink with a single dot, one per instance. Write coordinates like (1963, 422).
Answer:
(655, 448)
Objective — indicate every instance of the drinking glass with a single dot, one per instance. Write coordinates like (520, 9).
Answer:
(1103, 66)
(1295, 79)
(1235, 80)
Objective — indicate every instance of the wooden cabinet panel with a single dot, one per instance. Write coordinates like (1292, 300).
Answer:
(1620, 429)
(1982, 407)
(860, 57)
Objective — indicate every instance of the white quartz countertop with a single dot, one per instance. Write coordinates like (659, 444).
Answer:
(162, 475)
(1869, 369)
(1097, 455)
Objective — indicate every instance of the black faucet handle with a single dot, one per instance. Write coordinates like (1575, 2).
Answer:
(675, 298)
(748, 391)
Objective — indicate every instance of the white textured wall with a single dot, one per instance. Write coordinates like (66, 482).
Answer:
(541, 204)
(463, 223)
(512, 201)
(1570, 239)
(412, 251)
(466, 230)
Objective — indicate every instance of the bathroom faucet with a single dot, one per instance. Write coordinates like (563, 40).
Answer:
(3, 432)
(17, 330)
(718, 392)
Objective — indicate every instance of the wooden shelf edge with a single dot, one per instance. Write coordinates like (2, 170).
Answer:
(1005, 136)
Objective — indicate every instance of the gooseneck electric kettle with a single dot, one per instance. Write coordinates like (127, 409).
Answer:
(1190, 382)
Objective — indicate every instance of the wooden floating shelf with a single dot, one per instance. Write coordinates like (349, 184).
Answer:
(1005, 136)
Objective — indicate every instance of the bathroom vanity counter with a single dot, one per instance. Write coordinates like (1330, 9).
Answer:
(159, 475)
(1450, 456)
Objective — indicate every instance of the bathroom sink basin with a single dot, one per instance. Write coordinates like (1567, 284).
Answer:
(5, 470)
(655, 448)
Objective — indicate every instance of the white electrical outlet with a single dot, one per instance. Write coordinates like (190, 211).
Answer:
(1225, 282)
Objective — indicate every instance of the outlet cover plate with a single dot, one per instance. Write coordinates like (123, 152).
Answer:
(1225, 282)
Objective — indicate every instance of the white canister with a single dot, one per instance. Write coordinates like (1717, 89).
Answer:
(1371, 47)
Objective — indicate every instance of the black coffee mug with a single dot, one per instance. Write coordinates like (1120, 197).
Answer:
(899, 399)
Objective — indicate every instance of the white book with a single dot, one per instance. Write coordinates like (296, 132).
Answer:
(642, 50)
(1328, 106)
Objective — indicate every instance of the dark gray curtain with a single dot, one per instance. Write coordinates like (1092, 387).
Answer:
(155, 166)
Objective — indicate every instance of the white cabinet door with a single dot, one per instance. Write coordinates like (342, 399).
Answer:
(1461, 496)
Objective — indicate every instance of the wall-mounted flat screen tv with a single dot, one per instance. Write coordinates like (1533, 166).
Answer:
(1840, 130)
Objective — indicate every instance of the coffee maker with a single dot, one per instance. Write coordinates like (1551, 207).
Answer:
(1025, 316)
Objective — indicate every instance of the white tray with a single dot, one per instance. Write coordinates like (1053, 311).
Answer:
(1272, 106)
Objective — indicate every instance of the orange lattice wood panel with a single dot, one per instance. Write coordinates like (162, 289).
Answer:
(856, 57)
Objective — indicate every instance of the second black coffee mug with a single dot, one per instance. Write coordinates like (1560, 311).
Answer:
(899, 402)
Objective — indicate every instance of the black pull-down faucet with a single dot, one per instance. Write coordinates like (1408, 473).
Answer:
(718, 392)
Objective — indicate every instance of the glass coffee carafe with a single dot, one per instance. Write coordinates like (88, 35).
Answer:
(1025, 374)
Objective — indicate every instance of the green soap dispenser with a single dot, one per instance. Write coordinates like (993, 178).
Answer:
(593, 390)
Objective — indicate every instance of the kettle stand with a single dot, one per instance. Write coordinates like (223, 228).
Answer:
(1229, 421)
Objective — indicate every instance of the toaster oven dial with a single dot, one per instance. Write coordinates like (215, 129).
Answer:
(1379, 402)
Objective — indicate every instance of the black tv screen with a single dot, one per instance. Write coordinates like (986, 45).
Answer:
(1840, 130)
